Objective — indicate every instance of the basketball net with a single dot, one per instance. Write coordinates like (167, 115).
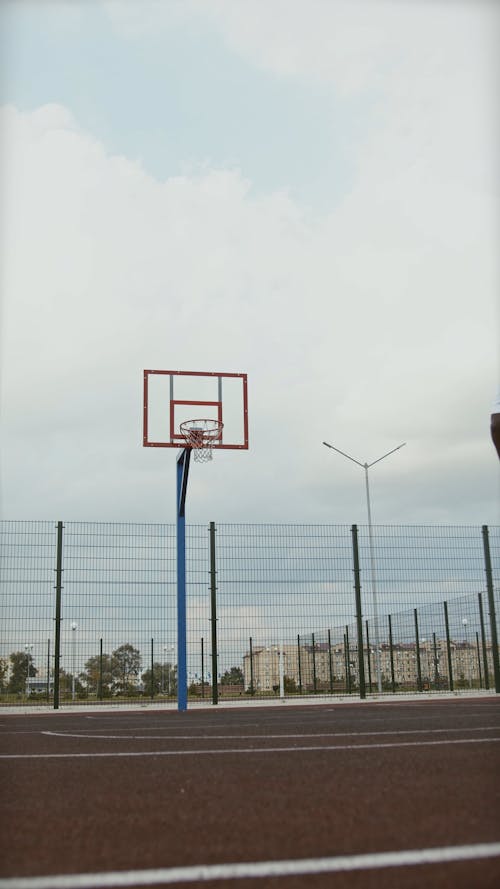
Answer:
(200, 436)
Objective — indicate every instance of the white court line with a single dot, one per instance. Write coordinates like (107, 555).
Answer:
(167, 737)
(226, 750)
(245, 870)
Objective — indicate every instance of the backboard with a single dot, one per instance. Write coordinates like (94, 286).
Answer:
(172, 397)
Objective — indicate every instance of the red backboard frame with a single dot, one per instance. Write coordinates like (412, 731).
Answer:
(176, 438)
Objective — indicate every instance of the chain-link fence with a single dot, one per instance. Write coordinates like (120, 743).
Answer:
(89, 611)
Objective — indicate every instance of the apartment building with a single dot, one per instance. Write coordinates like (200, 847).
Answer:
(333, 666)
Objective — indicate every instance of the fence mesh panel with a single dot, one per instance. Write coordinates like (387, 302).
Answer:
(27, 582)
(271, 611)
(277, 586)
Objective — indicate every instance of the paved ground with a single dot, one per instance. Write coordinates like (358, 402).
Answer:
(365, 795)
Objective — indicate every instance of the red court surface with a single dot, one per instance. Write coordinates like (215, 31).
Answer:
(401, 794)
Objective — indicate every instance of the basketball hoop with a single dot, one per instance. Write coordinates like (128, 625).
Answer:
(200, 436)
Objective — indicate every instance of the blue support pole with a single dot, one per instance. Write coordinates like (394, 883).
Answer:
(182, 478)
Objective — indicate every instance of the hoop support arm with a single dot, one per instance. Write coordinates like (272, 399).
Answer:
(183, 462)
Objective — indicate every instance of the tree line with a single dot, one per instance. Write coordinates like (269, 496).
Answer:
(104, 675)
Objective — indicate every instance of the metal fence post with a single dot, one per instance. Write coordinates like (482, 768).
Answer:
(369, 658)
(491, 603)
(57, 652)
(483, 642)
(436, 660)
(347, 660)
(359, 617)
(448, 645)
(48, 669)
(391, 655)
(314, 664)
(99, 685)
(213, 615)
(478, 651)
(202, 669)
(417, 649)
(252, 685)
(152, 670)
(330, 672)
(299, 664)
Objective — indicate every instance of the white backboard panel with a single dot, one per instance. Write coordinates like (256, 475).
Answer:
(173, 396)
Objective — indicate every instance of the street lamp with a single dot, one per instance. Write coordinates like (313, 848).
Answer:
(28, 649)
(74, 626)
(366, 467)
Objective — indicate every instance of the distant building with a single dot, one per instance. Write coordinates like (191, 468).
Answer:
(330, 667)
(39, 686)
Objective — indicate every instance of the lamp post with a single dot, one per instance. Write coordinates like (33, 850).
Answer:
(366, 467)
(74, 625)
(28, 649)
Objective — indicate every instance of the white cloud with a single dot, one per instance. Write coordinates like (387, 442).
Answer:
(354, 46)
(373, 324)
(126, 273)
(345, 44)
(132, 20)
(357, 46)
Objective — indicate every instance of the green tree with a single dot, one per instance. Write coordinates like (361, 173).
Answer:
(164, 679)
(4, 666)
(21, 663)
(125, 668)
(66, 685)
(234, 676)
(92, 679)
(289, 685)
(170, 679)
(156, 675)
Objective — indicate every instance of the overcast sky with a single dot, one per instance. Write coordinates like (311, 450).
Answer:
(306, 191)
